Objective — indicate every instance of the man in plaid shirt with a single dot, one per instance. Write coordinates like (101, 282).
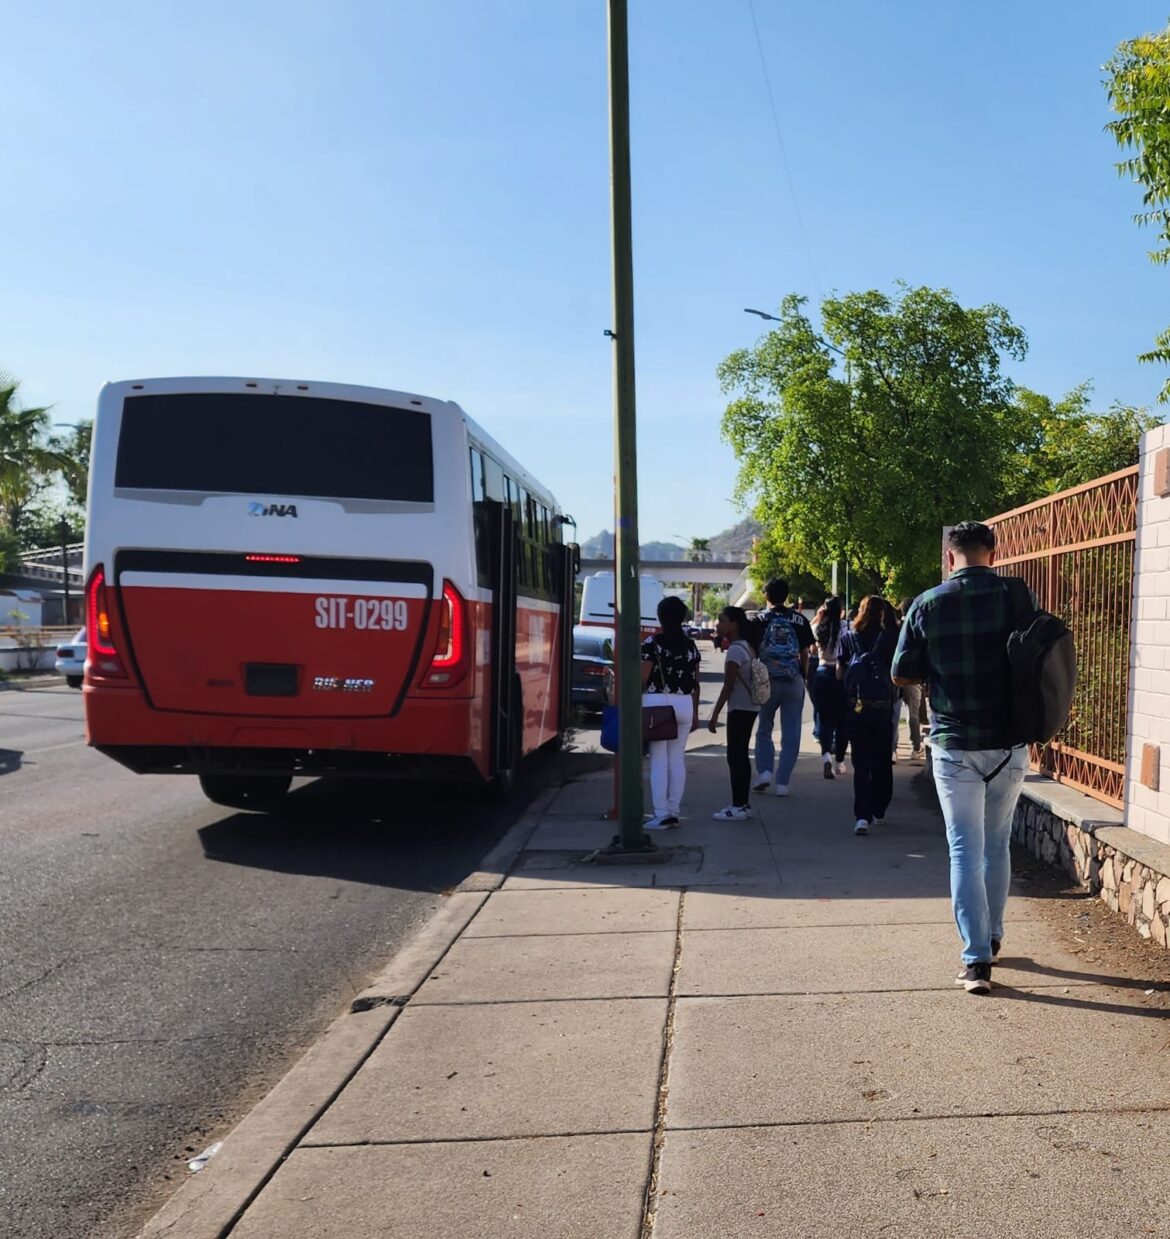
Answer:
(955, 637)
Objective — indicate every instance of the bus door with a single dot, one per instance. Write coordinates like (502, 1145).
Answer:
(507, 704)
(568, 565)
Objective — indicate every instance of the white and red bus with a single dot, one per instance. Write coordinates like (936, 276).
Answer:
(289, 578)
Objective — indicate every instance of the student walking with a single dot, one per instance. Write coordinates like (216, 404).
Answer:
(742, 639)
(910, 696)
(828, 693)
(955, 637)
(784, 644)
(863, 668)
(670, 677)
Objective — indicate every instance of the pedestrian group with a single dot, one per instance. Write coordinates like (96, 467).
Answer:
(946, 647)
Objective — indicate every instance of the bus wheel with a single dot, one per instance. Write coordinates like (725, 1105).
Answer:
(263, 793)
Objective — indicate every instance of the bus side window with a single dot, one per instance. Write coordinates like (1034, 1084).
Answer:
(493, 480)
(481, 520)
(478, 488)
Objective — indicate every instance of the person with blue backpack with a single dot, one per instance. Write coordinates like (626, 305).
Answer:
(784, 645)
(864, 658)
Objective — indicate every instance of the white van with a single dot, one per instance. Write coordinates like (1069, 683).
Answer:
(598, 607)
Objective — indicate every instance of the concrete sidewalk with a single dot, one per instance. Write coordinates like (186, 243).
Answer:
(760, 1037)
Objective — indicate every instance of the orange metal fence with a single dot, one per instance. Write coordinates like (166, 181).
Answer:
(1076, 551)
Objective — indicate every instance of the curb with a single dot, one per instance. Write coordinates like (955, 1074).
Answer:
(210, 1203)
(32, 684)
(497, 864)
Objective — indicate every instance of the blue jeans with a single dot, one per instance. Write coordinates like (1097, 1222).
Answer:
(787, 697)
(979, 818)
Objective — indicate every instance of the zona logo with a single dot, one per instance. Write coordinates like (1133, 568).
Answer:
(272, 509)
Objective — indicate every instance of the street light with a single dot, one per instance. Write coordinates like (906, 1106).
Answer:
(770, 317)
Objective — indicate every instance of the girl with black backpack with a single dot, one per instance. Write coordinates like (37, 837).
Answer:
(864, 656)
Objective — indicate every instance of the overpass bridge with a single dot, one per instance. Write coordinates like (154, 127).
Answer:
(45, 567)
(735, 574)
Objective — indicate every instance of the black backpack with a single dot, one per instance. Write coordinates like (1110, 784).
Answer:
(1043, 662)
(868, 687)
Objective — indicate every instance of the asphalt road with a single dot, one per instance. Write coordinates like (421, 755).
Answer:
(164, 961)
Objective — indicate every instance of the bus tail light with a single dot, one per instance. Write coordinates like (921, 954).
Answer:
(104, 659)
(449, 663)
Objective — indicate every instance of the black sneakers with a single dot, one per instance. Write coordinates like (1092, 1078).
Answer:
(975, 978)
(995, 945)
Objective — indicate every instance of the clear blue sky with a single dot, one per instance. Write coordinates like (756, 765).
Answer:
(416, 196)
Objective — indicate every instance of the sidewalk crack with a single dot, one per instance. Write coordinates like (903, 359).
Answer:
(650, 1201)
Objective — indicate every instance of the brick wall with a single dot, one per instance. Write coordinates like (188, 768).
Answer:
(1147, 810)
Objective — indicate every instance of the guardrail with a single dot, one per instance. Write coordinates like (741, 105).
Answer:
(1076, 550)
(52, 552)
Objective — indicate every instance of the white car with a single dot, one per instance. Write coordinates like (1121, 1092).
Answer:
(71, 660)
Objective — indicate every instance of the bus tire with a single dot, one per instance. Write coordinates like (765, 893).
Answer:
(261, 793)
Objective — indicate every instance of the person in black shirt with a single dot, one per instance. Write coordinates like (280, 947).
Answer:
(670, 677)
(827, 693)
(863, 666)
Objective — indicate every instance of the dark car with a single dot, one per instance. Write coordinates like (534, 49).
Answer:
(592, 686)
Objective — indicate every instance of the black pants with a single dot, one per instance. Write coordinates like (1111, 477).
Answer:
(873, 769)
(828, 694)
(739, 762)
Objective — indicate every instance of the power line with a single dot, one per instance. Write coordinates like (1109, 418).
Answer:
(780, 142)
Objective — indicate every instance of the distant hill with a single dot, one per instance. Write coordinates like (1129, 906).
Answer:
(733, 543)
(736, 542)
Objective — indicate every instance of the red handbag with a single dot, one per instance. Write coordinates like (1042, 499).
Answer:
(659, 722)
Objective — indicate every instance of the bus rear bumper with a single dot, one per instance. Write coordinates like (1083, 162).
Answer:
(431, 739)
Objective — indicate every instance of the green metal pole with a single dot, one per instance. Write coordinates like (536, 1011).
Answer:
(628, 589)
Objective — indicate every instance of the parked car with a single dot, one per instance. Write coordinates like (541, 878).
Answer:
(71, 659)
(593, 679)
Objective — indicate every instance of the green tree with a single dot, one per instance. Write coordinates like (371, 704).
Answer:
(773, 556)
(1139, 92)
(28, 459)
(1071, 444)
(858, 442)
(714, 599)
(74, 449)
(700, 549)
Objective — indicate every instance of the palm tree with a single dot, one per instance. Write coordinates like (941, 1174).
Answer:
(701, 549)
(28, 461)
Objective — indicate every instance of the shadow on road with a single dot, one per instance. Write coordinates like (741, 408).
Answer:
(412, 836)
(10, 760)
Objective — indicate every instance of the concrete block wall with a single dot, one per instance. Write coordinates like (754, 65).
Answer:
(1147, 811)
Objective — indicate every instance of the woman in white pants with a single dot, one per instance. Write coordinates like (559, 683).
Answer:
(670, 677)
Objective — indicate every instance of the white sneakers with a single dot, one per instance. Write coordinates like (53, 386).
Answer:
(842, 768)
(764, 781)
(733, 813)
(862, 827)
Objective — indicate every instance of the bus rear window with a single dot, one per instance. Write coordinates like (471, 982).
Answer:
(232, 443)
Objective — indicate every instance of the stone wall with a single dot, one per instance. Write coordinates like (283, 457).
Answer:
(1147, 800)
(1126, 870)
